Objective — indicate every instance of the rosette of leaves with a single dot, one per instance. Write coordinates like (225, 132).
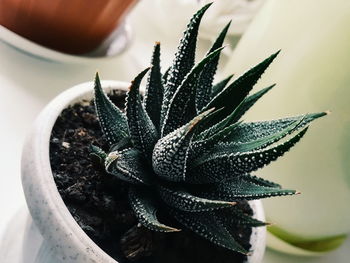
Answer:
(183, 147)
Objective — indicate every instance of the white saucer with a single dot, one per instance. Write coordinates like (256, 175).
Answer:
(21, 242)
(115, 44)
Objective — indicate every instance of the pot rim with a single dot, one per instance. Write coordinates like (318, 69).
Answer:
(46, 206)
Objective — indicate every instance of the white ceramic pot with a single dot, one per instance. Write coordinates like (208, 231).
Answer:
(62, 238)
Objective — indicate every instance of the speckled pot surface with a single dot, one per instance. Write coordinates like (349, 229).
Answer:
(63, 239)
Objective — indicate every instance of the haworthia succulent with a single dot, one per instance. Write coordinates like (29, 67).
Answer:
(184, 151)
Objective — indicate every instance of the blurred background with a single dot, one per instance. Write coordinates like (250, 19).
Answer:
(40, 57)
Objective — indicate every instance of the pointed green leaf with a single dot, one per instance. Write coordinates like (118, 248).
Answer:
(206, 124)
(212, 126)
(145, 209)
(180, 109)
(222, 126)
(218, 87)
(206, 145)
(262, 182)
(251, 131)
(208, 226)
(220, 165)
(218, 125)
(234, 216)
(200, 145)
(154, 89)
(142, 131)
(184, 59)
(239, 147)
(185, 201)
(244, 187)
(235, 93)
(112, 120)
(97, 155)
(205, 81)
(129, 165)
(246, 104)
(171, 152)
(233, 139)
(98, 152)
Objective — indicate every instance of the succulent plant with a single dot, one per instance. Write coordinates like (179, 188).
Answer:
(183, 147)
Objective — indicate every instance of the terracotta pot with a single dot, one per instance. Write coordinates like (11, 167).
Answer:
(70, 26)
(62, 238)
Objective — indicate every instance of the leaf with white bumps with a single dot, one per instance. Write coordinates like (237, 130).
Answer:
(234, 94)
(208, 225)
(112, 120)
(251, 131)
(262, 142)
(170, 153)
(220, 165)
(142, 130)
(129, 165)
(233, 217)
(145, 209)
(243, 187)
(205, 81)
(181, 108)
(204, 146)
(184, 59)
(154, 89)
(185, 201)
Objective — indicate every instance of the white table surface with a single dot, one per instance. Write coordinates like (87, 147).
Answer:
(27, 84)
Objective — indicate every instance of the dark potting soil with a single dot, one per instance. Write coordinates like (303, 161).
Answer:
(99, 203)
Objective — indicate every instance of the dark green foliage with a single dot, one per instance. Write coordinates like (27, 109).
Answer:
(183, 61)
(143, 133)
(145, 209)
(231, 96)
(181, 106)
(218, 87)
(154, 89)
(113, 122)
(184, 150)
(205, 81)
